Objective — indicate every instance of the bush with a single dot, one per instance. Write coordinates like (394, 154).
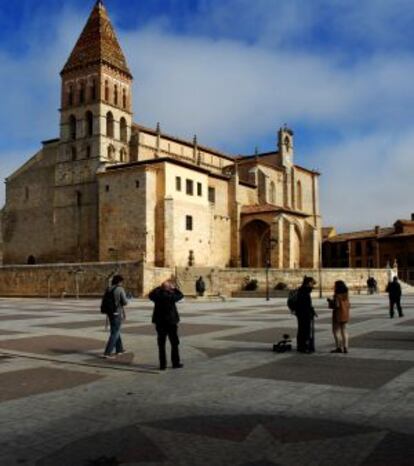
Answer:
(251, 285)
(280, 286)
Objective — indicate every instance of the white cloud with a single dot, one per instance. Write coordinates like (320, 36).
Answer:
(231, 92)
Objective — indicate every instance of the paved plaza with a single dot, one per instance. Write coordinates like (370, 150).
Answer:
(235, 402)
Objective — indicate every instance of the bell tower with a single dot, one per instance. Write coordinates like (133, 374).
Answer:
(95, 129)
(96, 103)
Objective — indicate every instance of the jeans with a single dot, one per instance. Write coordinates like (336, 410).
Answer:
(114, 340)
(170, 331)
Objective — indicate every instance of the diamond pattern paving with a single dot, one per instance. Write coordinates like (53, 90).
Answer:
(184, 330)
(326, 370)
(384, 340)
(23, 383)
(51, 345)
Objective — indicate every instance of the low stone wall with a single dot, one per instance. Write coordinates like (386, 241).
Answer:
(59, 280)
(90, 279)
(228, 281)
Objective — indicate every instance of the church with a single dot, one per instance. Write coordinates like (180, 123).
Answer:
(109, 189)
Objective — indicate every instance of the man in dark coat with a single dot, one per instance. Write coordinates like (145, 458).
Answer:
(305, 314)
(394, 294)
(200, 286)
(166, 318)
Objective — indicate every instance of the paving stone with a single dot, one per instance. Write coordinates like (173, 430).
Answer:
(76, 325)
(20, 384)
(184, 329)
(384, 340)
(341, 371)
(51, 344)
(268, 335)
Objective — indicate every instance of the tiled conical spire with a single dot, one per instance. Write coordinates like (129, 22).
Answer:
(97, 44)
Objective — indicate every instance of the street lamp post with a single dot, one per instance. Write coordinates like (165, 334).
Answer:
(270, 246)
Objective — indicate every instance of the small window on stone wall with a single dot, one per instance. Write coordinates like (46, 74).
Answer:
(106, 91)
(88, 152)
(115, 95)
(188, 222)
(107, 188)
(211, 195)
(178, 183)
(73, 153)
(26, 193)
(70, 96)
(199, 189)
(136, 183)
(93, 90)
(124, 98)
(189, 187)
(81, 93)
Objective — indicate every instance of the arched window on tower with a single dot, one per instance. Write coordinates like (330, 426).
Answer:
(272, 193)
(93, 90)
(110, 125)
(299, 205)
(88, 152)
(110, 152)
(123, 129)
(115, 95)
(73, 153)
(106, 91)
(124, 98)
(122, 155)
(70, 95)
(72, 127)
(89, 123)
(82, 93)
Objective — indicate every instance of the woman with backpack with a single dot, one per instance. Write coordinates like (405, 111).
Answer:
(113, 303)
(340, 306)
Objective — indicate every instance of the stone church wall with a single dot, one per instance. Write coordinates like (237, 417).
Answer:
(28, 212)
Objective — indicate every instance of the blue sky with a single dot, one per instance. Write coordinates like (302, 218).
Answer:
(339, 72)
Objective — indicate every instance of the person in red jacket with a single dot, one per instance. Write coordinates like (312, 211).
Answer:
(166, 318)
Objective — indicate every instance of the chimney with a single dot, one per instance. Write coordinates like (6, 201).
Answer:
(412, 217)
(377, 229)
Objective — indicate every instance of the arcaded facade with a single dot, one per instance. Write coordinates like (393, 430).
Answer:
(109, 189)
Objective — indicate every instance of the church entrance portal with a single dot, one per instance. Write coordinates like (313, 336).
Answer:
(254, 244)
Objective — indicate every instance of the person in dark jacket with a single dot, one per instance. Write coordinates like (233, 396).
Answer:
(116, 319)
(200, 286)
(394, 294)
(165, 317)
(305, 315)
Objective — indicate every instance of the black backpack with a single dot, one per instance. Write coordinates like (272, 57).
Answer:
(292, 300)
(108, 304)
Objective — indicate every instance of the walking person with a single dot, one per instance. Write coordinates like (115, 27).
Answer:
(305, 315)
(113, 304)
(200, 286)
(394, 294)
(340, 306)
(166, 318)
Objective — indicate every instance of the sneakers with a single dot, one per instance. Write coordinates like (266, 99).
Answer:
(109, 356)
(121, 352)
(178, 366)
(345, 350)
(336, 350)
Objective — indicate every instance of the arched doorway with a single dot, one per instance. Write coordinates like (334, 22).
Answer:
(254, 244)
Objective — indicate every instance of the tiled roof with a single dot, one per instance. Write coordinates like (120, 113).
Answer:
(97, 44)
(363, 234)
(262, 208)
